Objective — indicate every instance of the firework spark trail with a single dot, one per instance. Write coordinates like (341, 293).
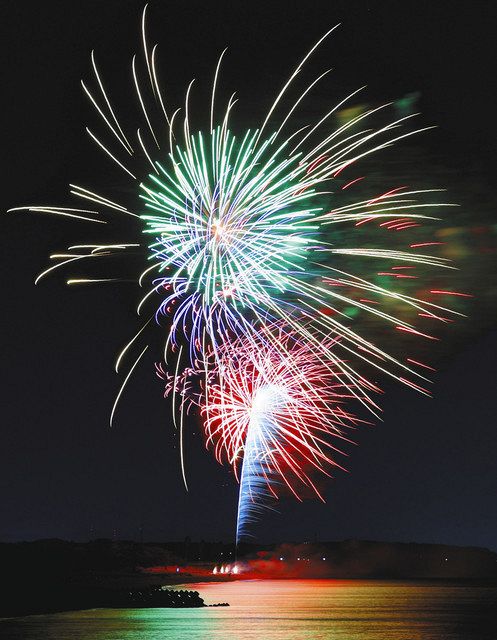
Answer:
(235, 230)
(255, 250)
(256, 493)
(276, 413)
(237, 221)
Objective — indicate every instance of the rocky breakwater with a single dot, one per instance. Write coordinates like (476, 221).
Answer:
(157, 596)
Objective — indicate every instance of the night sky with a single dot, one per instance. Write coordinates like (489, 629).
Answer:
(427, 473)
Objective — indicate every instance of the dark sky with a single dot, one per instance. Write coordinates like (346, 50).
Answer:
(427, 473)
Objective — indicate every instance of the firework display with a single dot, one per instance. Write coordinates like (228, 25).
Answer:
(277, 415)
(251, 265)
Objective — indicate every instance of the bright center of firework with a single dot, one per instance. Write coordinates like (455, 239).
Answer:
(266, 400)
(217, 228)
(228, 216)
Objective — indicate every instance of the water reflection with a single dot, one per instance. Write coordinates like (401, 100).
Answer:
(287, 610)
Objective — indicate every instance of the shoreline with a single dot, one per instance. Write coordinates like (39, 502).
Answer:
(82, 599)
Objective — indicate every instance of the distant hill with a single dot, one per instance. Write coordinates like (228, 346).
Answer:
(349, 559)
(53, 560)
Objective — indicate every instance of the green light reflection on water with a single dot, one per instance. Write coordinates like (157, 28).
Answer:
(287, 610)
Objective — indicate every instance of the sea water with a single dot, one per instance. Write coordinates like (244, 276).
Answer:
(287, 610)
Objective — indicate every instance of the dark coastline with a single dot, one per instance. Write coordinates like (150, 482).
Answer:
(57, 599)
(49, 576)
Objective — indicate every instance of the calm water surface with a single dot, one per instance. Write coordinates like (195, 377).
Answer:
(287, 610)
